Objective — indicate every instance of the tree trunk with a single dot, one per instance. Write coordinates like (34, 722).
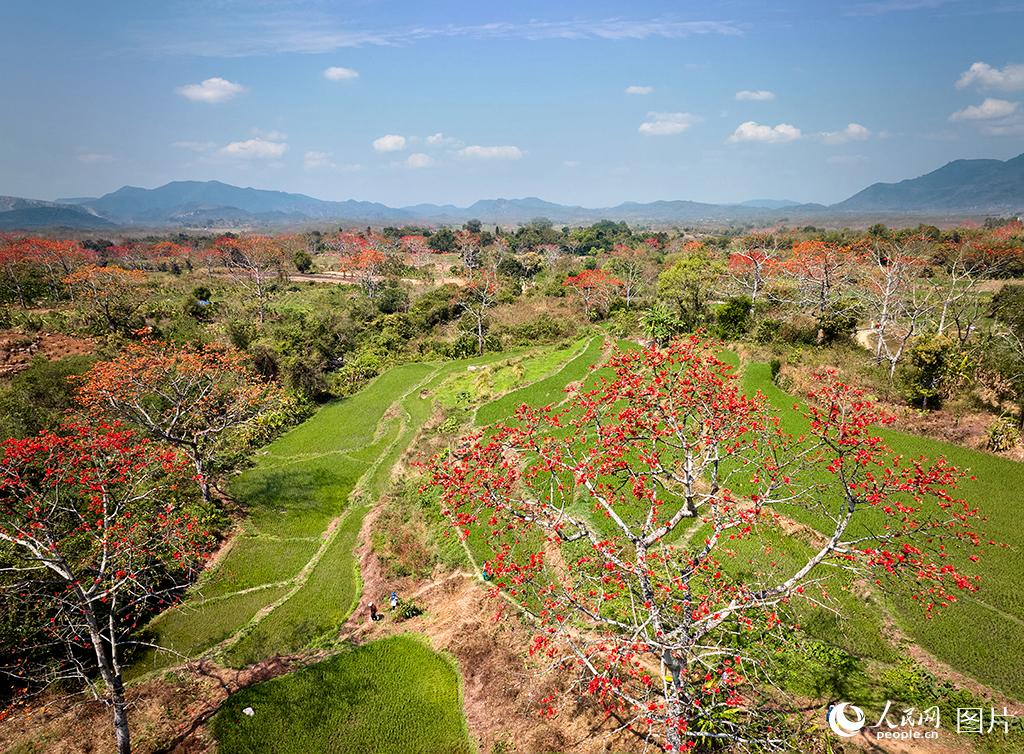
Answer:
(204, 483)
(113, 681)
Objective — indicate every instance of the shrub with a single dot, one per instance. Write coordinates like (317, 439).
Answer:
(922, 378)
(732, 317)
(776, 366)
(799, 331)
(407, 609)
(767, 331)
(839, 320)
(1002, 435)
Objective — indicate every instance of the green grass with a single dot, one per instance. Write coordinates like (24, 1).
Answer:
(469, 389)
(392, 695)
(194, 626)
(544, 392)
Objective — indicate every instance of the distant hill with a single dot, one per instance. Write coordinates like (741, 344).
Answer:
(961, 186)
(32, 214)
(769, 203)
(202, 202)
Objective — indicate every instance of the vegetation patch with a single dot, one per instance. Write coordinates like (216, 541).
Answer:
(391, 695)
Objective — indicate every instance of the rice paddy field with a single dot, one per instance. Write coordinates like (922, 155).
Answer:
(395, 694)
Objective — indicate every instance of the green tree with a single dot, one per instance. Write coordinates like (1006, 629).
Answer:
(687, 285)
(442, 240)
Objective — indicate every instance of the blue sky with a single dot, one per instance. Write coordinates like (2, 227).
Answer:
(588, 103)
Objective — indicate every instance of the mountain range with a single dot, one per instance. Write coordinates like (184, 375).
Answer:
(959, 188)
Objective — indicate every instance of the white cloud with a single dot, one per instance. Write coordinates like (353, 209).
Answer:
(212, 90)
(852, 132)
(893, 6)
(92, 158)
(1010, 78)
(990, 109)
(1007, 127)
(504, 152)
(194, 146)
(755, 95)
(337, 73)
(254, 149)
(636, 89)
(389, 143)
(419, 160)
(667, 124)
(571, 163)
(440, 140)
(314, 160)
(751, 131)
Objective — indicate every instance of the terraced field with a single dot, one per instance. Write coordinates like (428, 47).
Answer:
(288, 580)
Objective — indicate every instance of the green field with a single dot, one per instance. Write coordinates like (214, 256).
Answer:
(390, 695)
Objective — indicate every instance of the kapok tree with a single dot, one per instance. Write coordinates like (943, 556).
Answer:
(108, 298)
(901, 302)
(633, 269)
(186, 396)
(595, 290)
(821, 269)
(753, 263)
(475, 299)
(367, 266)
(640, 526)
(100, 533)
(257, 262)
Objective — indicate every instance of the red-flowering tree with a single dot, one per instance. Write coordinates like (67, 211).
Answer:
(640, 527)
(367, 267)
(188, 397)
(821, 269)
(27, 261)
(595, 289)
(97, 526)
(256, 262)
(108, 298)
(754, 262)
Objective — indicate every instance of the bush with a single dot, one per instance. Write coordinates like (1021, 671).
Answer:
(1003, 435)
(922, 377)
(776, 366)
(839, 320)
(407, 609)
(798, 331)
(732, 318)
(767, 331)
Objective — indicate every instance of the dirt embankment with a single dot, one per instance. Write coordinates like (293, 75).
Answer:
(17, 349)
